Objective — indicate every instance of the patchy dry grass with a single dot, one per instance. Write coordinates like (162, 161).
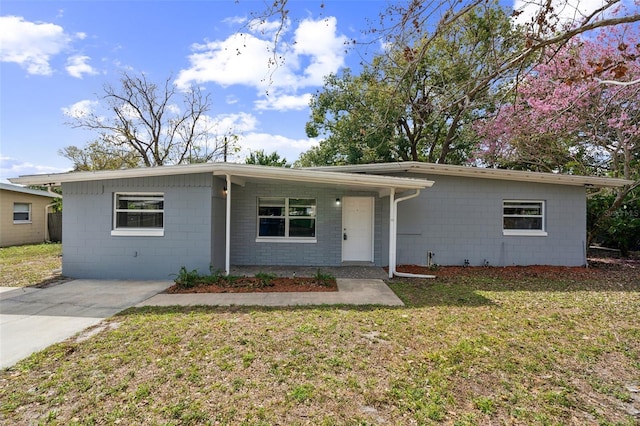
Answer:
(469, 349)
(28, 265)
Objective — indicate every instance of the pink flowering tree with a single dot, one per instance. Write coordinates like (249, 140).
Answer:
(578, 111)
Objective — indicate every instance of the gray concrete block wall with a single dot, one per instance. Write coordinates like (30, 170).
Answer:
(90, 251)
(327, 251)
(461, 218)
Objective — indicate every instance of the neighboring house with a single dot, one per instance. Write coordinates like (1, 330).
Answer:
(23, 215)
(147, 223)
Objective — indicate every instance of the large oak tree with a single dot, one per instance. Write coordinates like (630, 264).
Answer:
(414, 103)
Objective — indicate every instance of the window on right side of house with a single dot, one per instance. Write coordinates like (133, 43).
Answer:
(523, 217)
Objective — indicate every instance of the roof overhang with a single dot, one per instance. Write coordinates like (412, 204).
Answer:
(22, 190)
(239, 174)
(479, 172)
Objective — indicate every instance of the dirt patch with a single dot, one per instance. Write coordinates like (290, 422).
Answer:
(257, 285)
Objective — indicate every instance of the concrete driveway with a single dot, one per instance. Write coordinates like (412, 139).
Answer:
(33, 318)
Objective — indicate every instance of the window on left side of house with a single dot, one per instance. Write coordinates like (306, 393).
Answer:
(138, 214)
(21, 212)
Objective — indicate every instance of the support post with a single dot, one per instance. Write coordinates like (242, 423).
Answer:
(392, 232)
(227, 234)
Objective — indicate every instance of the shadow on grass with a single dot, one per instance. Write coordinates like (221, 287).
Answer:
(416, 293)
(463, 286)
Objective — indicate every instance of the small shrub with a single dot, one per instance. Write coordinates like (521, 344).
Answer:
(323, 279)
(215, 274)
(265, 279)
(187, 279)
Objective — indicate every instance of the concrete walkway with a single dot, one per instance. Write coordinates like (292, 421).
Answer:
(350, 292)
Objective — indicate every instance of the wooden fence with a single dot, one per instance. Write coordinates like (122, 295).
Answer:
(55, 227)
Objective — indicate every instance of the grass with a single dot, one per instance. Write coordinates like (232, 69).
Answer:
(21, 266)
(466, 350)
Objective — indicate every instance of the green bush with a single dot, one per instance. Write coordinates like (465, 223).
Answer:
(619, 229)
(265, 279)
(324, 279)
(187, 279)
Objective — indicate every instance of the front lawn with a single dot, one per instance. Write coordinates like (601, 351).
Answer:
(474, 347)
(31, 264)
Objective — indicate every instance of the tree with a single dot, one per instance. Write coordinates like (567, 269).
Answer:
(563, 119)
(416, 23)
(404, 107)
(146, 125)
(100, 156)
(260, 158)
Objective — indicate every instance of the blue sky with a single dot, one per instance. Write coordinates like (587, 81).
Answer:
(56, 57)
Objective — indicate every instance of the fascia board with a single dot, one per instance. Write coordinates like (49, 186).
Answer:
(237, 170)
(21, 190)
(479, 172)
(322, 177)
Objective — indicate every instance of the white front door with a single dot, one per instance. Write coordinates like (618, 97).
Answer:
(357, 229)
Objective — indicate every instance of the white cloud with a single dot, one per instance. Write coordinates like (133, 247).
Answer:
(248, 59)
(31, 44)
(235, 20)
(286, 147)
(173, 109)
(80, 108)
(268, 28)
(231, 99)
(234, 123)
(326, 50)
(232, 61)
(77, 66)
(245, 125)
(284, 102)
(12, 167)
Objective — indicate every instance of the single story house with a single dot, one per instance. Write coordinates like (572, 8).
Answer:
(24, 215)
(146, 223)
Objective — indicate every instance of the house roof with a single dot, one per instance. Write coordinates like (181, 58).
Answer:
(479, 172)
(23, 190)
(239, 173)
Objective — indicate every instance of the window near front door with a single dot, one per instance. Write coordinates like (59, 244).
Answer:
(523, 217)
(287, 219)
(139, 214)
(21, 213)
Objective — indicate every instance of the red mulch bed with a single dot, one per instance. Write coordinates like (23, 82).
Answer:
(255, 285)
(595, 269)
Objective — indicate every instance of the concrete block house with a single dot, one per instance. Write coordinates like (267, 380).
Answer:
(147, 223)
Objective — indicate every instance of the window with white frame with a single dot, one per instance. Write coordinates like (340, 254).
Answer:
(138, 214)
(21, 213)
(292, 219)
(523, 217)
